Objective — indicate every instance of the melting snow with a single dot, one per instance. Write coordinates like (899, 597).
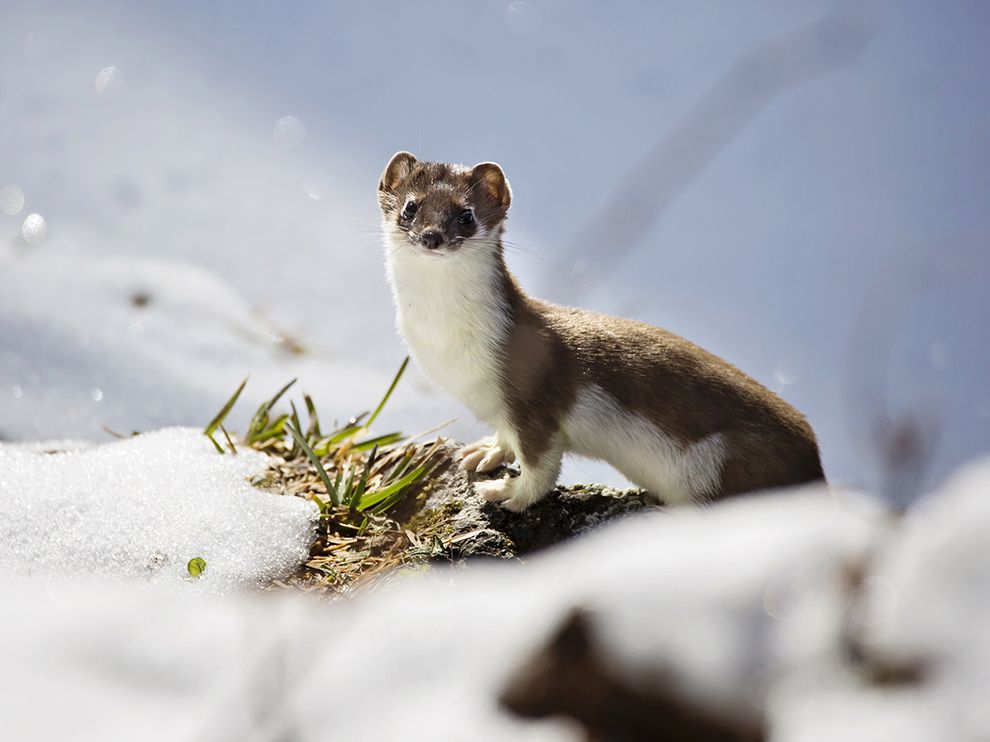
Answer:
(144, 507)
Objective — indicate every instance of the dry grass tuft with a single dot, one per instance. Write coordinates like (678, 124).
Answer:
(361, 484)
(362, 536)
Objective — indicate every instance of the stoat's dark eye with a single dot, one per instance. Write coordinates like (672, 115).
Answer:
(409, 210)
(466, 217)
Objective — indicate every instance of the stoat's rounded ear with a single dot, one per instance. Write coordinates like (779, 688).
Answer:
(396, 171)
(491, 186)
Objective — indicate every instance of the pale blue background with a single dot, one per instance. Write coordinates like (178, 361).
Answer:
(838, 242)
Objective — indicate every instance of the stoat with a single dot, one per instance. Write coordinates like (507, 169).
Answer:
(672, 417)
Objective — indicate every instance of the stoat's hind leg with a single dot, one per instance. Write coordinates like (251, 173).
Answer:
(537, 477)
(487, 454)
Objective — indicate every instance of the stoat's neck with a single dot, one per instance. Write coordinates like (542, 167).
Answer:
(474, 276)
(455, 313)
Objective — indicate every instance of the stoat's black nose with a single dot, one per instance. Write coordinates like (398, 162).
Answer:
(432, 239)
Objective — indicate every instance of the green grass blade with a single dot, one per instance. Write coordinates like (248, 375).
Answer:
(388, 394)
(230, 443)
(422, 471)
(381, 440)
(278, 395)
(363, 482)
(352, 428)
(319, 503)
(295, 421)
(259, 422)
(402, 465)
(216, 445)
(274, 430)
(215, 422)
(371, 499)
(346, 485)
(313, 432)
(331, 490)
(343, 434)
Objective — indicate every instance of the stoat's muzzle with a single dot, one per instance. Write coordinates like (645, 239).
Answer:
(431, 239)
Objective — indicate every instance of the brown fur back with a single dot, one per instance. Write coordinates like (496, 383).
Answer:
(681, 388)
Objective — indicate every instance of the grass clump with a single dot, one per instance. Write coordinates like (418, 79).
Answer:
(356, 480)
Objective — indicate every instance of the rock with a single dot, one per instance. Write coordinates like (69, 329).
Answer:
(468, 526)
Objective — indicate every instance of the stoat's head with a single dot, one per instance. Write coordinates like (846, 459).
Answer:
(436, 208)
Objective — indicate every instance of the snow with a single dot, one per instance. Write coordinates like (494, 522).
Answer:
(220, 163)
(929, 605)
(925, 607)
(144, 343)
(679, 591)
(142, 508)
(935, 570)
(743, 607)
(737, 582)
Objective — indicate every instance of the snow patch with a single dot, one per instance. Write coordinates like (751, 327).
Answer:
(741, 607)
(143, 507)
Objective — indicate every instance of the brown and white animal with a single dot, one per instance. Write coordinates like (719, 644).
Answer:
(672, 417)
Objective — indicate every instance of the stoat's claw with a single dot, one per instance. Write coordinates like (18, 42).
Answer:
(497, 455)
(470, 459)
(493, 490)
(485, 455)
(486, 442)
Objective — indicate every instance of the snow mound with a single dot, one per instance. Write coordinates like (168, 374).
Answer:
(926, 611)
(743, 608)
(144, 507)
(744, 593)
(699, 598)
(138, 344)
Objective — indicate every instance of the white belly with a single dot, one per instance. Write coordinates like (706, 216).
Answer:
(599, 428)
(455, 359)
(454, 324)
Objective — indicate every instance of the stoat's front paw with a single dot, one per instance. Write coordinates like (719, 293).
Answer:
(485, 455)
(506, 492)
(494, 490)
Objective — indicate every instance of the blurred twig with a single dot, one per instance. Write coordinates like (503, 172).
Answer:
(903, 440)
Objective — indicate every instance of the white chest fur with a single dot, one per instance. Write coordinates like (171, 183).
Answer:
(453, 319)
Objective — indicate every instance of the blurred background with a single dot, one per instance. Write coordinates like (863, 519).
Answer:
(188, 197)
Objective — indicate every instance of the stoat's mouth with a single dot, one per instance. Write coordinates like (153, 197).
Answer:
(445, 248)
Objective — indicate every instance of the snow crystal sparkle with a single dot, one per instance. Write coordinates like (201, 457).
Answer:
(11, 199)
(34, 229)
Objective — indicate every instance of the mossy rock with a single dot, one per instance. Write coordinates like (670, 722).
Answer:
(473, 527)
